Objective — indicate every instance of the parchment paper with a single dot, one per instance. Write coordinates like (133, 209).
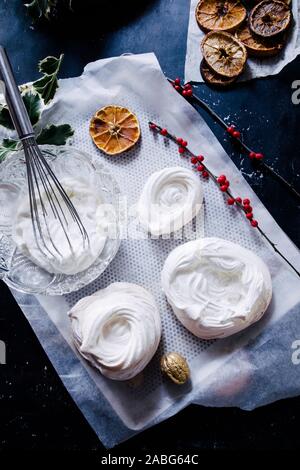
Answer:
(255, 67)
(247, 370)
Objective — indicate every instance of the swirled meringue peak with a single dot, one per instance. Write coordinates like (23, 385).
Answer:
(169, 200)
(216, 287)
(117, 329)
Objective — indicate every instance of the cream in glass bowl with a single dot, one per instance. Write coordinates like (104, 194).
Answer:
(95, 195)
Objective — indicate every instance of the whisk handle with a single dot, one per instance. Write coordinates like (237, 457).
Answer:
(13, 98)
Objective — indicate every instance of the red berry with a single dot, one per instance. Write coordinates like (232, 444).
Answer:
(236, 134)
(254, 223)
(230, 129)
(200, 158)
(185, 93)
(205, 174)
(184, 143)
(189, 93)
(152, 126)
(252, 155)
(188, 86)
(177, 81)
(181, 150)
(223, 188)
(221, 179)
(230, 201)
(239, 200)
(248, 208)
(179, 140)
(177, 87)
(259, 156)
(227, 184)
(249, 216)
(200, 168)
(246, 202)
(194, 160)
(164, 132)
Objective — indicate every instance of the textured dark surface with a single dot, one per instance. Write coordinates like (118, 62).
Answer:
(35, 410)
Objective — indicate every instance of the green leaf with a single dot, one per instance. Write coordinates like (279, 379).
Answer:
(5, 119)
(46, 87)
(55, 135)
(7, 146)
(48, 84)
(39, 8)
(33, 105)
(50, 65)
(46, 8)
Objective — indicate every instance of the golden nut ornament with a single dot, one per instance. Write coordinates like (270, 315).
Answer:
(175, 367)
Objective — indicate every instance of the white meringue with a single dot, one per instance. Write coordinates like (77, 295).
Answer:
(216, 287)
(170, 199)
(117, 329)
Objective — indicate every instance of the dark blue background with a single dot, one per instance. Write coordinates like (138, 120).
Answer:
(35, 410)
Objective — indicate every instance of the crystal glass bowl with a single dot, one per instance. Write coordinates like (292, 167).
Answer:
(16, 269)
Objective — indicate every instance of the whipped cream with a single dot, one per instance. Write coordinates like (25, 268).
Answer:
(88, 203)
(117, 329)
(170, 199)
(215, 287)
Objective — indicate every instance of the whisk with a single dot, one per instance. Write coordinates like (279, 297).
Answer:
(46, 194)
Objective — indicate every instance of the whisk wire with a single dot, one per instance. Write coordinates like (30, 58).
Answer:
(34, 212)
(49, 190)
(40, 175)
(65, 198)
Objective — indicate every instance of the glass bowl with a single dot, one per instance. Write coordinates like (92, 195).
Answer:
(16, 269)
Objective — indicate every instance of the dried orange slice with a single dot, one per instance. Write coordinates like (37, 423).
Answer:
(288, 2)
(212, 78)
(270, 18)
(224, 53)
(256, 46)
(220, 15)
(114, 129)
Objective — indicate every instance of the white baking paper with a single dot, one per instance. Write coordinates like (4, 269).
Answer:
(255, 67)
(247, 370)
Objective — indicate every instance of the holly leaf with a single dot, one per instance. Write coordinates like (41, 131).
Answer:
(5, 119)
(50, 65)
(39, 8)
(47, 85)
(33, 105)
(55, 135)
(7, 146)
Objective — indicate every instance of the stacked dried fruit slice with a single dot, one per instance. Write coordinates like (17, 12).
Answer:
(256, 46)
(220, 15)
(224, 54)
(213, 78)
(270, 18)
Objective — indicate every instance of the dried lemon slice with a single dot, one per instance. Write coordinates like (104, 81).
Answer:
(114, 129)
(224, 54)
(269, 18)
(256, 46)
(220, 15)
(212, 78)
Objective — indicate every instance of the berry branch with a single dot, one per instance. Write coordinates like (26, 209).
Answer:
(244, 205)
(186, 91)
